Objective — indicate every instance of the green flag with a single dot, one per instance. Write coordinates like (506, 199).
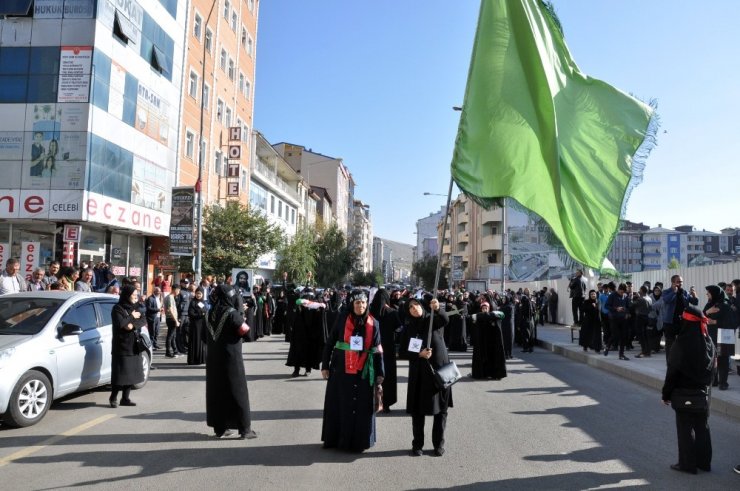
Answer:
(535, 128)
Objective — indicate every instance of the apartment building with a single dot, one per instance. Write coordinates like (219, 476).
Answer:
(362, 235)
(89, 95)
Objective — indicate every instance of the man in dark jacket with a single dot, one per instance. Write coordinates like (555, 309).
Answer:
(675, 301)
(578, 289)
(183, 303)
(153, 311)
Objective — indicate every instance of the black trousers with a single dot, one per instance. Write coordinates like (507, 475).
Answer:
(126, 389)
(606, 328)
(641, 328)
(152, 323)
(620, 332)
(694, 441)
(169, 344)
(438, 430)
(723, 369)
(576, 307)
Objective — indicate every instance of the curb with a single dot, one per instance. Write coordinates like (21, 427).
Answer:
(718, 405)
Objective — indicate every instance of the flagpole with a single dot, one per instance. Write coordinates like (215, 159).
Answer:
(439, 260)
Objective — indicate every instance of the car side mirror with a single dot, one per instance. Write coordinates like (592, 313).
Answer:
(70, 330)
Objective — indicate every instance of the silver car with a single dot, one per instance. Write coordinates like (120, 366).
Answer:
(53, 344)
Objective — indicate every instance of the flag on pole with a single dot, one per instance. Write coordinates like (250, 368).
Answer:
(533, 127)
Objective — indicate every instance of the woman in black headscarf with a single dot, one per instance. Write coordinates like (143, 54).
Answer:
(197, 311)
(227, 396)
(353, 366)
(423, 398)
(390, 324)
(126, 367)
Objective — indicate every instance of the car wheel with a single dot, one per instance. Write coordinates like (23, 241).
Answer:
(144, 356)
(29, 400)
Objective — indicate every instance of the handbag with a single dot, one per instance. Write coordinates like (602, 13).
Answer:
(142, 342)
(690, 400)
(446, 376)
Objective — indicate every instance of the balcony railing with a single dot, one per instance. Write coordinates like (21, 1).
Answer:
(492, 215)
(491, 243)
(271, 176)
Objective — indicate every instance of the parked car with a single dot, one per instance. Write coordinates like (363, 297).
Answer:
(53, 344)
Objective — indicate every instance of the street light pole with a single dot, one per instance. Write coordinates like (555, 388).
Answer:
(199, 183)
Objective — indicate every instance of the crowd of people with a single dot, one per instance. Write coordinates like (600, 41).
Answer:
(354, 337)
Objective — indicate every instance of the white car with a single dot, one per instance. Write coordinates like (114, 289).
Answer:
(53, 344)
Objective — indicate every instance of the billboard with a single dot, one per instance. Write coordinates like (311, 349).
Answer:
(182, 220)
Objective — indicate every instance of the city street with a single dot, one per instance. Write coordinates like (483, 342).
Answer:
(551, 424)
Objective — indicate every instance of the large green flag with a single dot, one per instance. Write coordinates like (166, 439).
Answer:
(534, 127)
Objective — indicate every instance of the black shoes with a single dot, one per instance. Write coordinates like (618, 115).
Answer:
(247, 435)
(113, 403)
(622, 357)
(439, 451)
(127, 402)
(416, 452)
(724, 386)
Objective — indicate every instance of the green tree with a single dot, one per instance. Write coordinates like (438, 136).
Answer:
(362, 278)
(426, 268)
(334, 259)
(674, 264)
(234, 236)
(298, 256)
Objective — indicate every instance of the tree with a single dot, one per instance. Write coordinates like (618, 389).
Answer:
(298, 256)
(334, 259)
(426, 268)
(674, 264)
(361, 278)
(234, 236)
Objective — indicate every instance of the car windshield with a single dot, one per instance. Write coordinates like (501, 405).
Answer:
(26, 315)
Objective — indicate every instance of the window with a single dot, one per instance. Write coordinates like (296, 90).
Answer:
(227, 9)
(189, 144)
(272, 204)
(123, 29)
(280, 209)
(244, 179)
(193, 86)
(197, 26)
(292, 216)
(233, 20)
(219, 110)
(227, 116)
(251, 5)
(105, 309)
(209, 39)
(250, 46)
(217, 162)
(241, 82)
(244, 37)
(222, 60)
(245, 133)
(247, 89)
(206, 96)
(81, 315)
(232, 69)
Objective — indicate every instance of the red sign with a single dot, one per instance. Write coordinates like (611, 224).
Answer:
(72, 233)
(29, 258)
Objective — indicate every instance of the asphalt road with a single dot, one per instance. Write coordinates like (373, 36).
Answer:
(551, 424)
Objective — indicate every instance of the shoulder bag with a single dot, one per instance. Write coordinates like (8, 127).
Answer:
(448, 374)
(690, 400)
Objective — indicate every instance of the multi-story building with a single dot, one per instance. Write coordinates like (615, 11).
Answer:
(626, 251)
(89, 95)
(379, 256)
(660, 246)
(274, 191)
(426, 234)
(361, 238)
(218, 82)
(323, 171)
(324, 206)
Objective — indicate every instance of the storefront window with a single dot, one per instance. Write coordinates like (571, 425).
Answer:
(136, 256)
(92, 245)
(119, 254)
(40, 233)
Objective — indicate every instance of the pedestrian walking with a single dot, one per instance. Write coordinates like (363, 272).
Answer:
(198, 347)
(126, 367)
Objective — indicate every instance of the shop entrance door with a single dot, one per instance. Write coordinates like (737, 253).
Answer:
(91, 257)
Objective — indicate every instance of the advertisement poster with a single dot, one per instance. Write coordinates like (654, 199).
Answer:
(147, 184)
(151, 115)
(243, 279)
(29, 258)
(74, 74)
(181, 221)
(117, 89)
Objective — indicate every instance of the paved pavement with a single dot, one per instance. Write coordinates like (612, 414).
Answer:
(647, 371)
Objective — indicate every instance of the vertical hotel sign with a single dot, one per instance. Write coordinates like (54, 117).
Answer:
(181, 222)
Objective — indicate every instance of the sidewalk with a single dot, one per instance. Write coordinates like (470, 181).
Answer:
(646, 371)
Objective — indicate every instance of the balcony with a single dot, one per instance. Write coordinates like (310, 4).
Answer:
(271, 178)
(463, 217)
(492, 215)
(491, 243)
(446, 249)
(463, 238)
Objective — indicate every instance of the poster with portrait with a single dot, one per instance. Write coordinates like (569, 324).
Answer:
(243, 279)
(41, 145)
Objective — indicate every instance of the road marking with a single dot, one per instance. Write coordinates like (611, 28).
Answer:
(51, 441)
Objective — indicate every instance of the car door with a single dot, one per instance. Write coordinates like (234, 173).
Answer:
(105, 328)
(79, 356)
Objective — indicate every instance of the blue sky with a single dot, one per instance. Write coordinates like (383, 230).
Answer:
(374, 82)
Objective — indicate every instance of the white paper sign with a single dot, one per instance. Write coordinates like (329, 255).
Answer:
(415, 345)
(725, 336)
(29, 258)
(355, 343)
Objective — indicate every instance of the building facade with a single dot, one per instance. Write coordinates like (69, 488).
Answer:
(362, 236)
(426, 229)
(89, 94)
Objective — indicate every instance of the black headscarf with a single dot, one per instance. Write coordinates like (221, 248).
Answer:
(357, 320)
(380, 300)
(125, 297)
(717, 294)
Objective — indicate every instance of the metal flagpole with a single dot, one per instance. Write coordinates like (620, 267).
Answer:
(439, 260)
